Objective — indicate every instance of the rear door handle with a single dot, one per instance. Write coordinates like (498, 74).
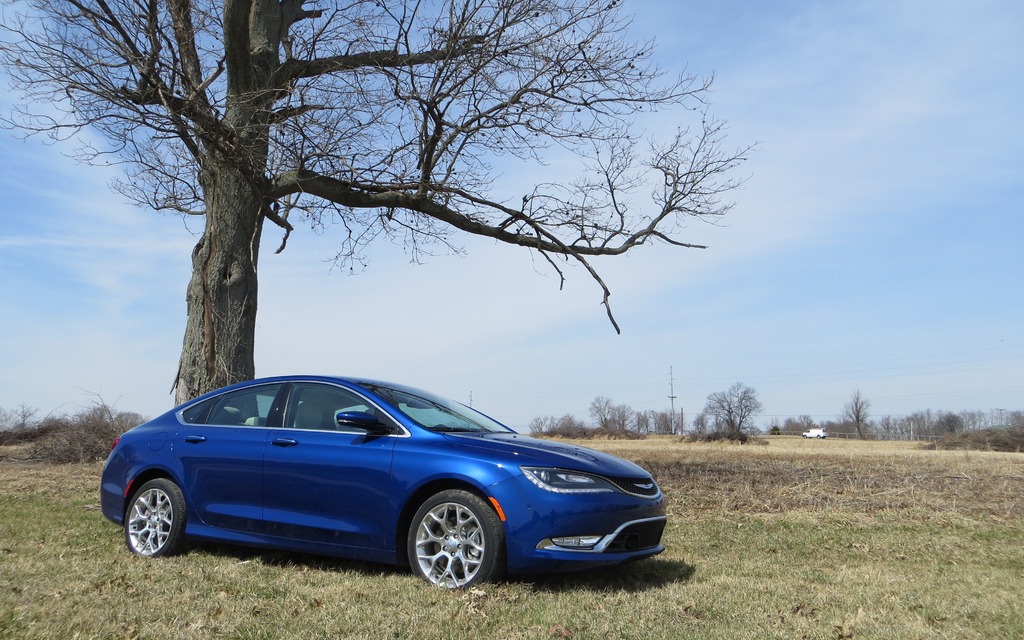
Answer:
(195, 439)
(284, 442)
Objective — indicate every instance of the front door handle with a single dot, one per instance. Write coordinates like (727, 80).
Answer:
(284, 442)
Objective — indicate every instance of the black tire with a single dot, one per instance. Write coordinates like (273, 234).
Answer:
(154, 523)
(456, 540)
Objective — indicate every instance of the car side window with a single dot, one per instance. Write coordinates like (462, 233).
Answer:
(313, 406)
(245, 407)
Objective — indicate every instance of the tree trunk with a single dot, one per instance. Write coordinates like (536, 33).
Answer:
(221, 326)
(222, 294)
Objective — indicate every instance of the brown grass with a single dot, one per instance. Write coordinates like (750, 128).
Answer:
(794, 539)
(866, 477)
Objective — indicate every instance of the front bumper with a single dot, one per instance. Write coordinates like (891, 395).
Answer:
(547, 531)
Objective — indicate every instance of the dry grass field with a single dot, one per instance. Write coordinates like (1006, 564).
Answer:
(792, 539)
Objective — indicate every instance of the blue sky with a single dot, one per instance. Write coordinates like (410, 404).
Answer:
(874, 247)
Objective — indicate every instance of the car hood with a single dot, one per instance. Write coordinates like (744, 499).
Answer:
(550, 453)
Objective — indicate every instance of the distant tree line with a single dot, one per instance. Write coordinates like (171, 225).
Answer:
(730, 415)
(856, 422)
(609, 420)
(727, 414)
(927, 424)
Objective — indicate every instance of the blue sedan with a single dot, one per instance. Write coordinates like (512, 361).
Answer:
(375, 471)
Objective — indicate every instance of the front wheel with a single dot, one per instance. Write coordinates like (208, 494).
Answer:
(456, 540)
(155, 523)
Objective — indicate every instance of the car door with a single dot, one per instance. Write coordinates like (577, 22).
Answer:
(321, 482)
(220, 451)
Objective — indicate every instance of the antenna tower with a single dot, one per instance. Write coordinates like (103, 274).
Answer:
(672, 399)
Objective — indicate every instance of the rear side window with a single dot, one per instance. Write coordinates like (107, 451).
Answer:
(245, 407)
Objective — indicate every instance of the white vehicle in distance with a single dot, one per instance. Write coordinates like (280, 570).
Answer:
(815, 433)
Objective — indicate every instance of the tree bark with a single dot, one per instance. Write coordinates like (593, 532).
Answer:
(220, 332)
(222, 293)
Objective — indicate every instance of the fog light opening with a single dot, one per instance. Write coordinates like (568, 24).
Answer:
(576, 542)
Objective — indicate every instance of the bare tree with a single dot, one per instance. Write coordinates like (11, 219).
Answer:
(973, 420)
(568, 426)
(949, 423)
(645, 422)
(24, 417)
(667, 422)
(570, 423)
(542, 424)
(855, 414)
(890, 428)
(920, 424)
(620, 417)
(601, 409)
(733, 410)
(796, 426)
(701, 423)
(610, 416)
(386, 117)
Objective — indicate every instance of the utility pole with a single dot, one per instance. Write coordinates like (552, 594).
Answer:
(672, 399)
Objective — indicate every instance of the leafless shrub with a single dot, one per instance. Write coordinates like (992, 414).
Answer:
(1011, 440)
(618, 434)
(715, 436)
(26, 431)
(82, 437)
(575, 431)
(579, 431)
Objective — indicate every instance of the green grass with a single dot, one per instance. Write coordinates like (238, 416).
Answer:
(835, 540)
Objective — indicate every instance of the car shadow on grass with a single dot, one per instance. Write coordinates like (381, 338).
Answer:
(636, 576)
(285, 559)
(632, 577)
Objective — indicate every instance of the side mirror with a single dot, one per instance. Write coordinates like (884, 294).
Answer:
(361, 420)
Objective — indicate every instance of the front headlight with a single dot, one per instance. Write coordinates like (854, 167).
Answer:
(565, 481)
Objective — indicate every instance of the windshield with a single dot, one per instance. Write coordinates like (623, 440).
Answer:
(433, 412)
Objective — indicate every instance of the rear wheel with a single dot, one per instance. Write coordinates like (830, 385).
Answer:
(155, 522)
(456, 540)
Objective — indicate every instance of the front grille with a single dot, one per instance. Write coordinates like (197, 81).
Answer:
(647, 487)
(642, 535)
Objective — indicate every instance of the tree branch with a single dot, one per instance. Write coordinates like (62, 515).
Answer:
(295, 69)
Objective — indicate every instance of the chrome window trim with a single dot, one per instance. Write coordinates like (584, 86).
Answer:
(403, 432)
